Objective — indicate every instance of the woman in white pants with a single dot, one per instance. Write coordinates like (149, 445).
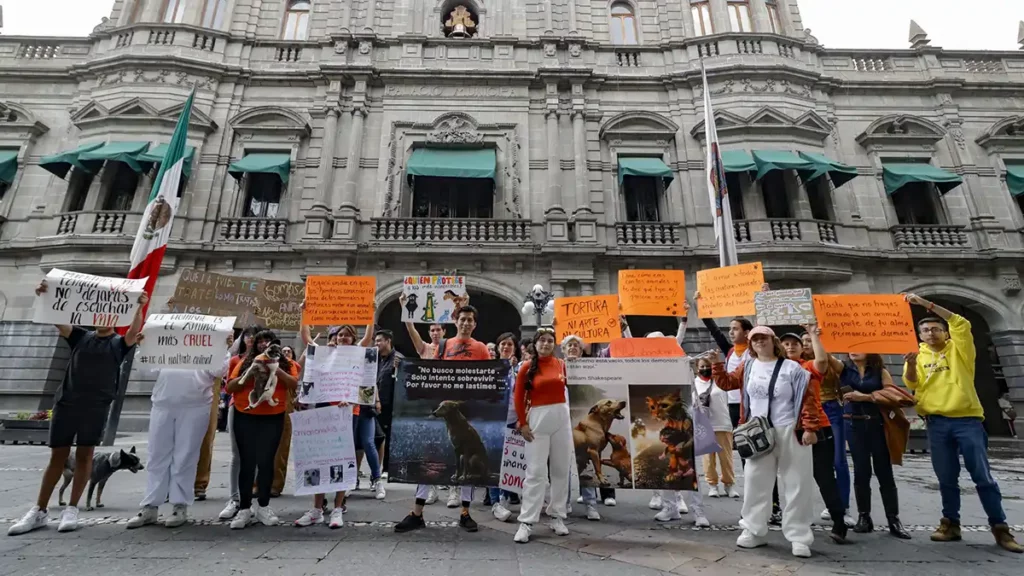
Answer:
(548, 434)
(178, 420)
(794, 418)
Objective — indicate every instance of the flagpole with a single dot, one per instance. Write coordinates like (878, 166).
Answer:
(718, 191)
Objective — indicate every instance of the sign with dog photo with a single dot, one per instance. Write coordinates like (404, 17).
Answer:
(323, 452)
(185, 341)
(431, 299)
(339, 374)
(449, 420)
(631, 422)
(76, 299)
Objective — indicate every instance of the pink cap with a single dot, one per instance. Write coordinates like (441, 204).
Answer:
(760, 331)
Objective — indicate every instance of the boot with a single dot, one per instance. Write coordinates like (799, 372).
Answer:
(839, 531)
(864, 524)
(896, 528)
(948, 531)
(1005, 540)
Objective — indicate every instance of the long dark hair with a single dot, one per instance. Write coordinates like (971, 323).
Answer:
(253, 352)
(531, 372)
(508, 336)
(251, 331)
(874, 362)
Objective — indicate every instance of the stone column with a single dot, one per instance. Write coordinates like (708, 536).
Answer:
(371, 13)
(319, 215)
(549, 26)
(759, 17)
(572, 16)
(346, 17)
(152, 11)
(579, 137)
(347, 215)
(720, 16)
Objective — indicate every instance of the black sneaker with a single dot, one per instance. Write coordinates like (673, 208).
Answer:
(467, 523)
(410, 523)
(775, 519)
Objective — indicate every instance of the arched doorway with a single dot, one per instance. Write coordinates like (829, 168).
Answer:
(497, 316)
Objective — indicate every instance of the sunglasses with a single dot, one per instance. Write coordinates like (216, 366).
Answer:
(546, 330)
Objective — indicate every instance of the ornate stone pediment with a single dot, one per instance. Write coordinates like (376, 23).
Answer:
(900, 130)
(638, 126)
(455, 128)
(767, 121)
(138, 112)
(271, 120)
(18, 123)
(1006, 133)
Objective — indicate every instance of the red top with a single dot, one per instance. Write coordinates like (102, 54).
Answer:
(463, 349)
(814, 391)
(241, 397)
(548, 385)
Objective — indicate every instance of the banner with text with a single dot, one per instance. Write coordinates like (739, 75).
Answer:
(784, 307)
(339, 374)
(729, 291)
(274, 304)
(77, 299)
(185, 341)
(431, 299)
(652, 292)
(323, 452)
(339, 300)
(865, 323)
(595, 319)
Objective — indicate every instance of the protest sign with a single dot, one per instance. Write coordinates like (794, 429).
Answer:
(323, 453)
(513, 462)
(339, 300)
(76, 299)
(339, 374)
(595, 319)
(431, 299)
(729, 291)
(271, 303)
(866, 323)
(652, 292)
(280, 303)
(642, 406)
(645, 348)
(441, 405)
(185, 341)
(784, 307)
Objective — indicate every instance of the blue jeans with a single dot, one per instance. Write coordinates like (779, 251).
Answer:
(840, 434)
(364, 431)
(589, 495)
(948, 438)
(497, 494)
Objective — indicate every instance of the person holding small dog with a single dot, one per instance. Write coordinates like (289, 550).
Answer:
(80, 412)
(238, 351)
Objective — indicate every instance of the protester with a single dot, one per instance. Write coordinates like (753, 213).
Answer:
(239, 350)
(1009, 414)
(80, 412)
(206, 448)
(506, 347)
(387, 362)
(706, 394)
(572, 349)
(547, 432)
(428, 351)
(789, 409)
(941, 374)
(178, 420)
(492, 349)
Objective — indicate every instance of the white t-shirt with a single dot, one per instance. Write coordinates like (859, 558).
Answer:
(732, 362)
(783, 409)
(720, 419)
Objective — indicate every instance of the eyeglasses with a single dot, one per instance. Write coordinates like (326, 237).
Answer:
(936, 330)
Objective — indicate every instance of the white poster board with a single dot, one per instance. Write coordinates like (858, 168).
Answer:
(323, 453)
(513, 462)
(185, 341)
(339, 374)
(76, 299)
(431, 299)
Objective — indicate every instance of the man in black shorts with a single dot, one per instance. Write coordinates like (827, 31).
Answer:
(80, 413)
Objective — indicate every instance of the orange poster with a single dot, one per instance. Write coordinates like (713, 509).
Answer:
(729, 291)
(652, 292)
(645, 348)
(593, 318)
(867, 323)
(339, 300)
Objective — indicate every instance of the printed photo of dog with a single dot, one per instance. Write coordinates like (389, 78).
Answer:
(104, 464)
(663, 454)
(311, 477)
(598, 415)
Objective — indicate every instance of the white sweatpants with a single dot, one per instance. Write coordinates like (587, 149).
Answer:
(175, 437)
(792, 464)
(465, 492)
(552, 441)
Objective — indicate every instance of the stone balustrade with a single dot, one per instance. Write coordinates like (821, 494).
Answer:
(647, 234)
(450, 230)
(929, 236)
(266, 230)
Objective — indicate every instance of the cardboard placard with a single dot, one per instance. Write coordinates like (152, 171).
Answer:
(185, 341)
(645, 348)
(431, 299)
(729, 291)
(323, 451)
(652, 292)
(274, 304)
(339, 300)
(866, 323)
(595, 319)
(76, 299)
(513, 462)
(784, 307)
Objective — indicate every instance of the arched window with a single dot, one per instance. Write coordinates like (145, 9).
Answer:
(459, 20)
(739, 16)
(623, 24)
(296, 20)
(701, 12)
(773, 16)
(214, 12)
(174, 11)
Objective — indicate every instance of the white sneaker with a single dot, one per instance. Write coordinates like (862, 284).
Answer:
(453, 497)
(382, 492)
(501, 513)
(558, 527)
(432, 495)
(681, 504)
(849, 521)
(313, 516)
(265, 515)
(580, 500)
(523, 534)
(336, 519)
(667, 514)
(229, 510)
(68, 519)
(242, 519)
(825, 515)
(656, 501)
(732, 491)
(178, 517)
(32, 520)
(801, 550)
(748, 540)
(592, 513)
(713, 491)
(701, 522)
(609, 502)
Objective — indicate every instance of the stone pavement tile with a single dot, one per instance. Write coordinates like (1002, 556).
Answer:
(504, 550)
(484, 567)
(698, 567)
(407, 567)
(73, 548)
(651, 558)
(540, 551)
(423, 551)
(316, 550)
(234, 566)
(600, 568)
(603, 548)
(237, 549)
(171, 549)
(766, 559)
(9, 546)
(825, 570)
(697, 550)
(56, 566)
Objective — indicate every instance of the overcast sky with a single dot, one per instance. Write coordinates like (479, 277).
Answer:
(961, 24)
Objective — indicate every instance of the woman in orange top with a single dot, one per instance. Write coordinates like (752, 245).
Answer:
(257, 432)
(547, 432)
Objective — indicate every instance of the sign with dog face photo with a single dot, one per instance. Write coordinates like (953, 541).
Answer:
(339, 374)
(449, 422)
(323, 452)
(431, 299)
(631, 422)
(76, 299)
(185, 341)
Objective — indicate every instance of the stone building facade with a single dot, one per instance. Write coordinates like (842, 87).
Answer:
(389, 137)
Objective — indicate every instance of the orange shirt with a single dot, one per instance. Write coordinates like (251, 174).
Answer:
(463, 349)
(814, 389)
(241, 397)
(548, 385)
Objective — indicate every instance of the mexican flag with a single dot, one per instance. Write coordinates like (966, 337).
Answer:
(155, 228)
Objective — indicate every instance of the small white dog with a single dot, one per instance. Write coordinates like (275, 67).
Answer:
(263, 371)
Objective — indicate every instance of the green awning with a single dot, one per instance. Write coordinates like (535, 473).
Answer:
(156, 156)
(60, 163)
(838, 172)
(738, 161)
(127, 152)
(445, 163)
(897, 175)
(650, 167)
(1015, 178)
(770, 160)
(261, 163)
(8, 165)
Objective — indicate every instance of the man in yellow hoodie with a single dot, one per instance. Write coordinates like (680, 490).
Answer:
(941, 374)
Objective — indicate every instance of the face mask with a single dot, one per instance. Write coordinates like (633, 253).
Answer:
(704, 372)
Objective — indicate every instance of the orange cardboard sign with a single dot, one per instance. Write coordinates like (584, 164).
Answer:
(339, 300)
(593, 318)
(652, 292)
(645, 348)
(866, 323)
(729, 291)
